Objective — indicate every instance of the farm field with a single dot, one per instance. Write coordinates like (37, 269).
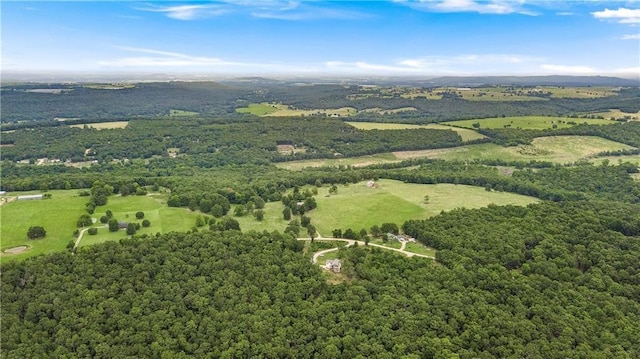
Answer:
(526, 122)
(560, 149)
(502, 93)
(357, 206)
(104, 125)
(279, 110)
(466, 134)
(163, 219)
(613, 160)
(182, 113)
(334, 162)
(57, 215)
(617, 114)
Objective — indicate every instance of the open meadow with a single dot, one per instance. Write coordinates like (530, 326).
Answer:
(104, 125)
(59, 214)
(280, 110)
(527, 122)
(465, 133)
(559, 149)
(357, 206)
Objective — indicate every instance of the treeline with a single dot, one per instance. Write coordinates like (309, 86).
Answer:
(239, 184)
(627, 133)
(549, 280)
(219, 142)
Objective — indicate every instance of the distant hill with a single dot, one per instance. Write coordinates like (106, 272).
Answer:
(556, 80)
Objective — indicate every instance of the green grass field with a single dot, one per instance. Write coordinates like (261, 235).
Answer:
(163, 219)
(182, 113)
(334, 162)
(270, 109)
(560, 149)
(465, 134)
(57, 215)
(358, 206)
(104, 125)
(527, 122)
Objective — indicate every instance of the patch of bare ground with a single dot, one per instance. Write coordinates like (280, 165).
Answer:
(16, 250)
(289, 149)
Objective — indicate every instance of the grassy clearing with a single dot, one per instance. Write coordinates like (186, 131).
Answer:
(614, 160)
(260, 109)
(163, 219)
(57, 215)
(420, 249)
(617, 114)
(527, 122)
(182, 113)
(104, 125)
(335, 162)
(465, 134)
(279, 110)
(383, 111)
(560, 149)
(358, 206)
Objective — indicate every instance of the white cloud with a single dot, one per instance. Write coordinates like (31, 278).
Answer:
(622, 15)
(479, 6)
(281, 10)
(630, 37)
(164, 59)
(569, 69)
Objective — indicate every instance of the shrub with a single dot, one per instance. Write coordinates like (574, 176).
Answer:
(36, 232)
(92, 231)
(146, 223)
(140, 215)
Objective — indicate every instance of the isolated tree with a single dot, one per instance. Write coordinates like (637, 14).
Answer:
(258, 202)
(390, 228)
(131, 228)
(36, 232)
(376, 231)
(217, 211)
(286, 213)
(349, 234)
(113, 225)
(311, 230)
(139, 215)
(258, 214)
(364, 235)
(305, 221)
(109, 213)
(337, 233)
(104, 219)
(146, 223)
(84, 220)
(92, 231)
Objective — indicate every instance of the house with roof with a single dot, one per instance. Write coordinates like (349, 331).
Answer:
(333, 265)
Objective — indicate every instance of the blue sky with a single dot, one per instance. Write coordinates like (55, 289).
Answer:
(399, 37)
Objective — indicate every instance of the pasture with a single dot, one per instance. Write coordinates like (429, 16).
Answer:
(280, 110)
(615, 114)
(182, 113)
(559, 149)
(527, 122)
(335, 162)
(510, 93)
(465, 134)
(104, 125)
(357, 206)
(163, 219)
(57, 215)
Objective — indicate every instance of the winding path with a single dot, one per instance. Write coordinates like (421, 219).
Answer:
(351, 242)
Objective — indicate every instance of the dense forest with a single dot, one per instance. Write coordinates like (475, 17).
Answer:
(555, 279)
(549, 280)
(88, 103)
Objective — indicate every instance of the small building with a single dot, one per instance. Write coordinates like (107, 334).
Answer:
(333, 265)
(122, 225)
(30, 197)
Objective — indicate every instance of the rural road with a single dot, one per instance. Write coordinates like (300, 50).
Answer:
(82, 231)
(350, 242)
